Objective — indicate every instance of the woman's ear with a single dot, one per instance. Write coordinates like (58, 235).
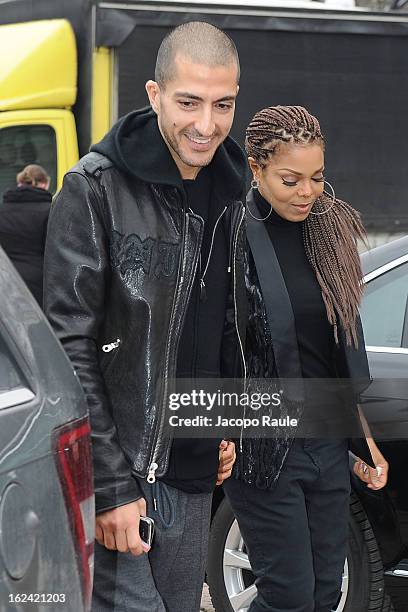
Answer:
(255, 168)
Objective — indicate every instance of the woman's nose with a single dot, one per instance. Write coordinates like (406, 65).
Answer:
(305, 189)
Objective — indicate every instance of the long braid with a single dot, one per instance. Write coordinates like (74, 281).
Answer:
(330, 239)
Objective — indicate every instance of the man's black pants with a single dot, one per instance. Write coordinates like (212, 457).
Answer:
(296, 534)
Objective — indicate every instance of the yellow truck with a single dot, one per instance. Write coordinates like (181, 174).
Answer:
(38, 67)
(70, 68)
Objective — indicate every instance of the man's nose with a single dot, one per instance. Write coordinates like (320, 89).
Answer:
(205, 124)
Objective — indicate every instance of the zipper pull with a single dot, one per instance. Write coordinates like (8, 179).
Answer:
(151, 478)
(107, 348)
(203, 292)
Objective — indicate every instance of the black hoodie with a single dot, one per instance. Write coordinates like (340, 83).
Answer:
(23, 226)
(136, 146)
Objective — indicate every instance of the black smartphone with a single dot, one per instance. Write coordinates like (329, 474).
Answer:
(146, 529)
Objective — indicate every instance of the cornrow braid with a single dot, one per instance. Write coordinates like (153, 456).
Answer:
(279, 124)
(330, 239)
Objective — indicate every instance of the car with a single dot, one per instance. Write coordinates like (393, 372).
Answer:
(46, 482)
(375, 576)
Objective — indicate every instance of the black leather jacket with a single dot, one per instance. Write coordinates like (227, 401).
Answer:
(121, 257)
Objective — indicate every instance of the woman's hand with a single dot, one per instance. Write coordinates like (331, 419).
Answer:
(227, 458)
(376, 478)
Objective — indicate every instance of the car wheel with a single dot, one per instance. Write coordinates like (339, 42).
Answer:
(231, 581)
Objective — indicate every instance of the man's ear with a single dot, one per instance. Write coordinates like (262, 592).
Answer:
(153, 91)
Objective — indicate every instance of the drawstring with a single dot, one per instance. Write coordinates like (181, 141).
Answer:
(162, 503)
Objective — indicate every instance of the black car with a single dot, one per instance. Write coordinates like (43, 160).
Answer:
(375, 575)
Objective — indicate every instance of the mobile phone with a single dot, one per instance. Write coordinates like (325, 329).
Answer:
(146, 529)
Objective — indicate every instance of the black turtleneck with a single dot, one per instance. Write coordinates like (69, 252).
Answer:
(313, 331)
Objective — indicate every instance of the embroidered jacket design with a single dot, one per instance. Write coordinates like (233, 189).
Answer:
(131, 253)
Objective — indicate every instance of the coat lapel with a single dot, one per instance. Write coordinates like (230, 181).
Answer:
(277, 303)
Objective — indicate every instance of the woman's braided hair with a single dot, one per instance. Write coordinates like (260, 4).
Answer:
(330, 239)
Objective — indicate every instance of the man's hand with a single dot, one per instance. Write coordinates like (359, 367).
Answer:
(227, 459)
(118, 529)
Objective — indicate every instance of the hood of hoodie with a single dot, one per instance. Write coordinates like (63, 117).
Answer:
(26, 193)
(136, 146)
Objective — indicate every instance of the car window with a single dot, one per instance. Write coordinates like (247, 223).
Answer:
(13, 386)
(21, 145)
(384, 308)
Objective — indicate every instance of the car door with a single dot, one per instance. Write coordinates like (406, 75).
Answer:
(384, 314)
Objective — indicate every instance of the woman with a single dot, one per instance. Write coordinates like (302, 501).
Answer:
(23, 225)
(291, 496)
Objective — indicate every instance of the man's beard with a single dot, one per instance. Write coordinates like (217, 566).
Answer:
(172, 144)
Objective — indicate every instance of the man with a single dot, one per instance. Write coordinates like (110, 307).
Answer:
(144, 282)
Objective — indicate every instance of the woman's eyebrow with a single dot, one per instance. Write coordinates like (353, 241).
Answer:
(299, 173)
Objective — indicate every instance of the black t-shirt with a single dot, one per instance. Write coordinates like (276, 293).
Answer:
(193, 463)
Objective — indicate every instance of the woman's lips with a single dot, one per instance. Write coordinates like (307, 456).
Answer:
(303, 207)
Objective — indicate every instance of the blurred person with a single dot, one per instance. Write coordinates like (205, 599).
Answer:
(291, 494)
(23, 225)
(142, 268)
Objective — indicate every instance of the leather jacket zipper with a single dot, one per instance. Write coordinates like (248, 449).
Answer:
(153, 464)
(151, 478)
(241, 345)
(111, 350)
(111, 346)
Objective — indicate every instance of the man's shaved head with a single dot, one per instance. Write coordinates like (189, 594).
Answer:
(199, 41)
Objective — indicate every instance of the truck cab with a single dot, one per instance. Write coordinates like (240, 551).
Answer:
(38, 91)
(38, 94)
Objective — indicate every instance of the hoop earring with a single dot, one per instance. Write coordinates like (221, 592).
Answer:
(255, 185)
(257, 218)
(333, 195)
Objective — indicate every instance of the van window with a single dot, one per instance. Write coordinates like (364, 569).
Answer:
(384, 308)
(21, 145)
